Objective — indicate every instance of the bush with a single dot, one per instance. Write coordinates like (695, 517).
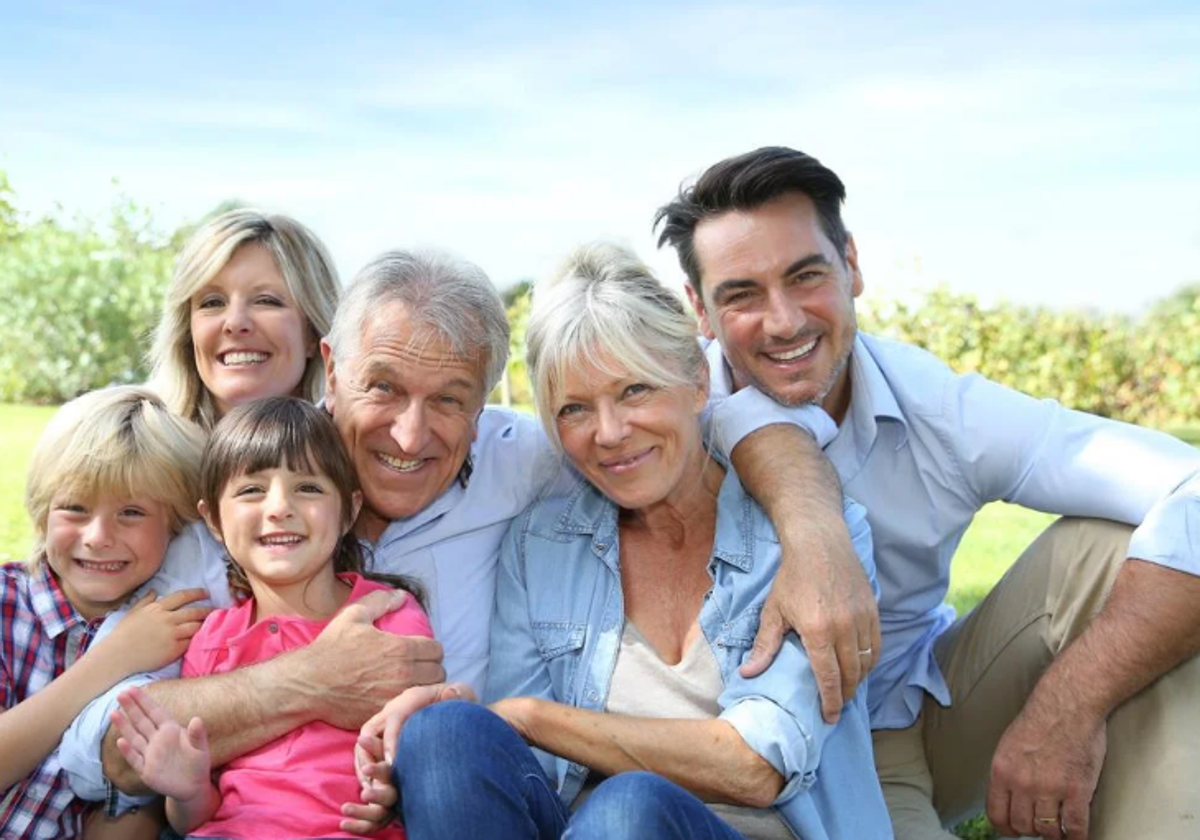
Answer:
(80, 301)
(1144, 370)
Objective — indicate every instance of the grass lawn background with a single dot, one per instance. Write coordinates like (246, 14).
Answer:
(996, 538)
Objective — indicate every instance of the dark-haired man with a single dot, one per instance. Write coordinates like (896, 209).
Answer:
(1051, 695)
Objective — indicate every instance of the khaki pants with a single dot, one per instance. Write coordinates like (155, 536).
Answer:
(935, 773)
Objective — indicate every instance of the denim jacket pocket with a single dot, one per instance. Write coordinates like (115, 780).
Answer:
(735, 637)
(560, 644)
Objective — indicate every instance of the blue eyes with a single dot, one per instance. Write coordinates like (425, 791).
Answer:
(629, 392)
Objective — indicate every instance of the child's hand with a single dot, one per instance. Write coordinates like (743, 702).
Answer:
(384, 728)
(170, 759)
(156, 631)
(378, 794)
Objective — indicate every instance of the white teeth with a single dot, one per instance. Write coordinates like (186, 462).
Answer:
(243, 357)
(793, 354)
(101, 567)
(398, 463)
(282, 539)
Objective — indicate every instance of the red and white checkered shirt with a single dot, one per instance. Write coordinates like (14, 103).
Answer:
(41, 635)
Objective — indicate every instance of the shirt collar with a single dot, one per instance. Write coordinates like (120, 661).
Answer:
(398, 528)
(50, 604)
(871, 397)
(720, 383)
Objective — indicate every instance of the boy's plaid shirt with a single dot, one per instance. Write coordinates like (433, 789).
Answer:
(41, 635)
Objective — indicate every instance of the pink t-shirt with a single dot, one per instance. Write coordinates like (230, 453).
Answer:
(294, 786)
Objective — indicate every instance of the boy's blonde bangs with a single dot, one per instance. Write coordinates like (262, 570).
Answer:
(115, 442)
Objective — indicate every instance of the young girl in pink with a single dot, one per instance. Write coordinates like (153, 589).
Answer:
(278, 489)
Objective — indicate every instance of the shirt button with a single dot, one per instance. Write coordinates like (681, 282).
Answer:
(273, 627)
(593, 696)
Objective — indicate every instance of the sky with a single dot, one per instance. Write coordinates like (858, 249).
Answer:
(1044, 153)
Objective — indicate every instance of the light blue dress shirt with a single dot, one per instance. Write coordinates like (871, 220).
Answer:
(557, 632)
(924, 449)
(451, 548)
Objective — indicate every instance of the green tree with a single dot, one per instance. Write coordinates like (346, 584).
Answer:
(80, 301)
(8, 212)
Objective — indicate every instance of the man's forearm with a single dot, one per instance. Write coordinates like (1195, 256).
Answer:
(242, 710)
(1148, 626)
(782, 467)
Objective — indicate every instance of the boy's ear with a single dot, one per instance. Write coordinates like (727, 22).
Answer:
(356, 501)
(206, 512)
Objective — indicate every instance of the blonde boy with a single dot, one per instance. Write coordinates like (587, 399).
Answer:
(113, 478)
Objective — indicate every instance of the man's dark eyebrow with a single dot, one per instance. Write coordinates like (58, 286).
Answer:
(726, 287)
(805, 262)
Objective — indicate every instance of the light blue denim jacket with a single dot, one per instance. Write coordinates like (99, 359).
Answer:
(557, 630)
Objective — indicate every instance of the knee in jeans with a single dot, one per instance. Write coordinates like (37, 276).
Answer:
(446, 730)
(634, 804)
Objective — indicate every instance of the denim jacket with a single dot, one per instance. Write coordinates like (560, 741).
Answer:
(557, 630)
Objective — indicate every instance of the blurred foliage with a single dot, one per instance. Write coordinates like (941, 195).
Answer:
(1142, 370)
(517, 300)
(80, 300)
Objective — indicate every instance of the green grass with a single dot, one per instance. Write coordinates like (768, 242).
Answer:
(1189, 433)
(996, 538)
(20, 426)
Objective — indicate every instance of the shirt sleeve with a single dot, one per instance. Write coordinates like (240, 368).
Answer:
(1038, 454)
(516, 667)
(7, 694)
(409, 620)
(1170, 533)
(778, 713)
(733, 419)
(80, 749)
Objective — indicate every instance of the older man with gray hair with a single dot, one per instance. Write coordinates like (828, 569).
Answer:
(418, 342)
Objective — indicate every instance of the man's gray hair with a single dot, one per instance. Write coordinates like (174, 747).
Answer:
(451, 296)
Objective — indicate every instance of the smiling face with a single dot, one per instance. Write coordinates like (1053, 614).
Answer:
(249, 337)
(102, 550)
(406, 407)
(281, 526)
(780, 299)
(638, 443)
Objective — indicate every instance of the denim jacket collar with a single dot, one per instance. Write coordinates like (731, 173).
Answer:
(588, 511)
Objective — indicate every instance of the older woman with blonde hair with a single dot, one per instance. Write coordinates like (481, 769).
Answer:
(251, 297)
(625, 605)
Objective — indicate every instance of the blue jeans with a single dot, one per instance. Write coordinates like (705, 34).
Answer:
(461, 771)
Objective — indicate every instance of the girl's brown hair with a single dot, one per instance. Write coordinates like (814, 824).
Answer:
(292, 433)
